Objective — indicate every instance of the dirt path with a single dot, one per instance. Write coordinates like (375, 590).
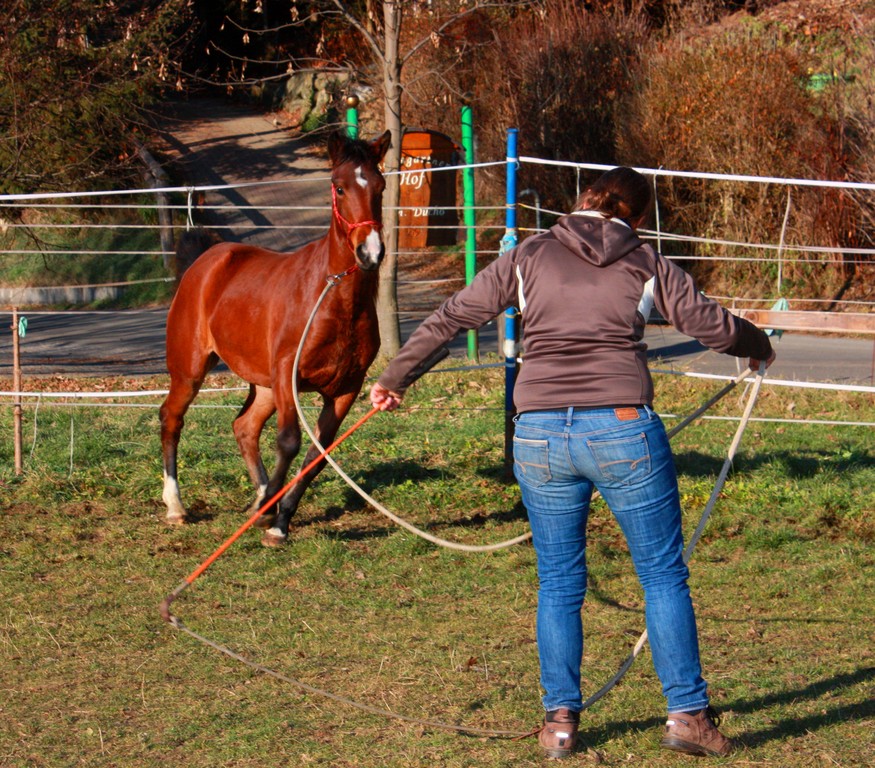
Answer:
(269, 186)
(280, 197)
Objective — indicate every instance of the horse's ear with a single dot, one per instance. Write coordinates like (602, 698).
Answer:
(335, 146)
(381, 146)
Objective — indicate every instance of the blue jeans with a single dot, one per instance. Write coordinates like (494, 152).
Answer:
(559, 458)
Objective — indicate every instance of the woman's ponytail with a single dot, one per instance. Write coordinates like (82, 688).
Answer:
(620, 193)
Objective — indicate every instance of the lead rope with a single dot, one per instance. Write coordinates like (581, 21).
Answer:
(688, 551)
(516, 735)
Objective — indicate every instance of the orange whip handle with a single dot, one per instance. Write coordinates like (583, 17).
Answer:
(165, 604)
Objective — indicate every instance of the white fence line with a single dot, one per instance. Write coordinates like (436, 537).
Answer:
(862, 186)
(96, 394)
(483, 409)
(861, 389)
(49, 200)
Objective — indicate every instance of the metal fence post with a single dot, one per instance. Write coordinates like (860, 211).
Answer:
(511, 315)
(470, 232)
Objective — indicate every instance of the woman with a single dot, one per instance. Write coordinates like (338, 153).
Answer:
(584, 421)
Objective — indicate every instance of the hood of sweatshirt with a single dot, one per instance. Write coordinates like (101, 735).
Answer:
(593, 238)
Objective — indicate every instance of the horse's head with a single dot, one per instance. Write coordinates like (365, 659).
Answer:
(357, 195)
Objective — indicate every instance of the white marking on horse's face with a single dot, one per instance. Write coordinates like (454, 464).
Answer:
(371, 250)
(360, 178)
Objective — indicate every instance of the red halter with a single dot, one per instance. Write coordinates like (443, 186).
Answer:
(350, 226)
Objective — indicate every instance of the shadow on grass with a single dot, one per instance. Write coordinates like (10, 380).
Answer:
(796, 464)
(394, 472)
(782, 729)
(799, 726)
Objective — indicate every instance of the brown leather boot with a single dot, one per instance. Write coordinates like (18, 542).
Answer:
(558, 735)
(696, 734)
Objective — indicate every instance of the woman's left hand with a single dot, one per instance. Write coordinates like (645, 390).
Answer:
(755, 364)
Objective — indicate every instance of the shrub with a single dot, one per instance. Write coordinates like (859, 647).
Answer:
(850, 98)
(738, 102)
(557, 77)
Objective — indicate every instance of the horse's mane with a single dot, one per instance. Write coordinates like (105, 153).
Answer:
(355, 151)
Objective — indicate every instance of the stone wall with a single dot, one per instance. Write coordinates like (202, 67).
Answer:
(25, 296)
(308, 98)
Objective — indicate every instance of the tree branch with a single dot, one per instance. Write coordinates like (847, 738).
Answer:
(372, 41)
(478, 6)
(314, 62)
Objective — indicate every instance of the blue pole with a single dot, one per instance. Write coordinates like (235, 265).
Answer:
(511, 315)
(511, 350)
(511, 199)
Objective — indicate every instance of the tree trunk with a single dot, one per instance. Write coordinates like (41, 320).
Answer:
(157, 178)
(387, 299)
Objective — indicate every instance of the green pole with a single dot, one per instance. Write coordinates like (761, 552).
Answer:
(352, 117)
(468, 194)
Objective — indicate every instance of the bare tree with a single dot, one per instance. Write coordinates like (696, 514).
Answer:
(386, 50)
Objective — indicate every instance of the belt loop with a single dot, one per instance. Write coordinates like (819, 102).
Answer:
(569, 416)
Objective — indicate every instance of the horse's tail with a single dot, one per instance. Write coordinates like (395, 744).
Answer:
(191, 244)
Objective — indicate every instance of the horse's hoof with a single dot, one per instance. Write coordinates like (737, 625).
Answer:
(176, 520)
(273, 538)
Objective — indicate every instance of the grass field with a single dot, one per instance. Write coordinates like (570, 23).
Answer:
(90, 674)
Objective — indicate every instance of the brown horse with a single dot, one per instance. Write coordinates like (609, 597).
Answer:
(248, 307)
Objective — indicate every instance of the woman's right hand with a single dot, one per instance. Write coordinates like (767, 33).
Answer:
(384, 399)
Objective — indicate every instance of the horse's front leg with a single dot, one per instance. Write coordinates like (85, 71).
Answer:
(330, 417)
(288, 443)
(248, 425)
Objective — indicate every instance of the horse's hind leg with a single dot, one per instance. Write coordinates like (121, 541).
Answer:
(172, 413)
(183, 389)
(257, 409)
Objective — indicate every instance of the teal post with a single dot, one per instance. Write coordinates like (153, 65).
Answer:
(470, 233)
(352, 117)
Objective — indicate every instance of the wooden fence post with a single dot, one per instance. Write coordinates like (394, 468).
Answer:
(16, 386)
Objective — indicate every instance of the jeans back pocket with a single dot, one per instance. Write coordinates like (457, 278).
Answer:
(531, 461)
(623, 460)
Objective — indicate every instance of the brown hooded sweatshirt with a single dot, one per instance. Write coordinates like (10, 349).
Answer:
(585, 289)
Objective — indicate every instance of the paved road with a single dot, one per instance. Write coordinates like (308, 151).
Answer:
(216, 143)
(132, 343)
